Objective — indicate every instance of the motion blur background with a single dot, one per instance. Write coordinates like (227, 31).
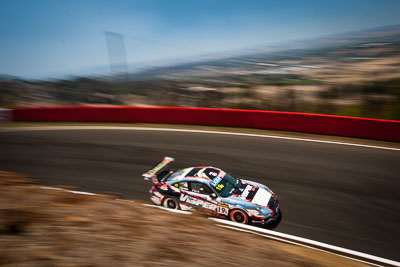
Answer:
(328, 57)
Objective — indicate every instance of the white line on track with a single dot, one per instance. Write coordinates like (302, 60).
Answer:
(57, 128)
(268, 234)
(70, 191)
(295, 243)
(292, 240)
(81, 193)
(297, 239)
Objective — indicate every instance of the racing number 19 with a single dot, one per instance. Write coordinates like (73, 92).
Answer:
(222, 210)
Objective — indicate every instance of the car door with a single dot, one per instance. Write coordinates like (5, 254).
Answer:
(194, 194)
(186, 197)
(200, 189)
(201, 193)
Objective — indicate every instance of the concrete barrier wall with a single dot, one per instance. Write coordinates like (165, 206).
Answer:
(286, 121)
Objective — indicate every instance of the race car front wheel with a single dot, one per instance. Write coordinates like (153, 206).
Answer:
(171, 203)
(239, 216)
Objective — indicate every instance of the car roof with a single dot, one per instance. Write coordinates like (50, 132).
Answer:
(204, 174)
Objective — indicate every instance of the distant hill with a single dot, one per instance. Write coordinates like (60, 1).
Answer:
(260, 57)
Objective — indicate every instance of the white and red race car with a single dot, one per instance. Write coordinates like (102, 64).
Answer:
(214, 191)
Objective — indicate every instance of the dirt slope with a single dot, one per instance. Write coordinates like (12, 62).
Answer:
(46, 227)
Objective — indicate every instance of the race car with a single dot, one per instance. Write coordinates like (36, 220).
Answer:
(215, 191)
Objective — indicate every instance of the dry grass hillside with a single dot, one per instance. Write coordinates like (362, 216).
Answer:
(44, 227)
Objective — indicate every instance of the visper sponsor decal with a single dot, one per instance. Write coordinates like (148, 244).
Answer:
(204, 204)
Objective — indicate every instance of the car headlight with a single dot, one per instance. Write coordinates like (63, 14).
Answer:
(258, 208)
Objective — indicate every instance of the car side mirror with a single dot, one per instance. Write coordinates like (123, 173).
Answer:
(213, 195)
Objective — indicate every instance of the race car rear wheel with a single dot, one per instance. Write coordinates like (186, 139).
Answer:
(239, 216)
(171, 203)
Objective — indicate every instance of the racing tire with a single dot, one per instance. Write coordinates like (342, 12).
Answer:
(171, 203)
(239, 216)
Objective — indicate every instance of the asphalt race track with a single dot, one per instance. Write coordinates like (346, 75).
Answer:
(342, 195)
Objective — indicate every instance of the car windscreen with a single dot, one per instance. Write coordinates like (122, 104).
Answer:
(225, 186)
(176, 175)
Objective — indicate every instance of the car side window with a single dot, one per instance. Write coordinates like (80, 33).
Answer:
(182, 186)
(199, 188)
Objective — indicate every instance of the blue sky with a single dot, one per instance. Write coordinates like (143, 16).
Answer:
(44, 39)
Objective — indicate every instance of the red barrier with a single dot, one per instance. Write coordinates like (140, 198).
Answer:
(286, 121)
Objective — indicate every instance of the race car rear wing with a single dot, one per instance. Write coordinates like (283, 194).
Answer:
(164, 162)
